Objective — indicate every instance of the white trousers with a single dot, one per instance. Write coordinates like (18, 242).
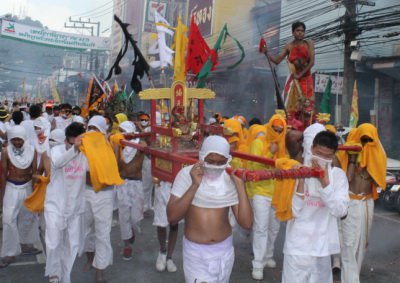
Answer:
(355, 228)
(208, 263)
(130, 207)
(161, 197)
(265, 230)
(97, 223)
(19, 225)
(63, 238)
(147, 179)
(306, 269)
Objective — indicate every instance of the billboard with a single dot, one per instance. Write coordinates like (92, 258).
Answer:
(321, 80)
(161, 7)
(54, 38)
(202, 10)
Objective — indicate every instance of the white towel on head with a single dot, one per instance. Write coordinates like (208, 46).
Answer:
(99, 122)
(20, 157)
(128, 153)
(312, 185)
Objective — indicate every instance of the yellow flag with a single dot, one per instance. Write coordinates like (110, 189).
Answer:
(180, 45)
(354, 108)
(54, 91)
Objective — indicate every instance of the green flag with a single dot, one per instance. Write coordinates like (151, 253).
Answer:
(206, 69)
(325, 106)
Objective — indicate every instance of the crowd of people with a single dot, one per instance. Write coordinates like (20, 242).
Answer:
(87, 173)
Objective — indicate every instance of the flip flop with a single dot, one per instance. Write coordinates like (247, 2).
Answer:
(4, 264)
(31, 251)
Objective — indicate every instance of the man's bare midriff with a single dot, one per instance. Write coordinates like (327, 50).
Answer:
(19, 175)
(132, 170)
(207, 225)
(361, 182)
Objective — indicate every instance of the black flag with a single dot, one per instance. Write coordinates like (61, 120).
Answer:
(140, 65)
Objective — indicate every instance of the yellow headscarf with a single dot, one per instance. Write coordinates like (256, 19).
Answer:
(275, 137)
(331, 128)
(352, 140)
(373, 156)
(233, 128)
(121, 117)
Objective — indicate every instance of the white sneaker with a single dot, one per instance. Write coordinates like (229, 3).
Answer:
(270, 263)
(257, 274)
(161, 263)
(171, 267)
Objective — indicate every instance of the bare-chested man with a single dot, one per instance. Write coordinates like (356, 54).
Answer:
(203, 194)
(130, 194)
(19, 164)
(365, 173)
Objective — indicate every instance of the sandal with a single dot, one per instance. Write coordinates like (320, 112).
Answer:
(54, 279)
(4, 264)
(31, 251)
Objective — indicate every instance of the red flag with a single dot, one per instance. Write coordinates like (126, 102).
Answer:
(198, 50)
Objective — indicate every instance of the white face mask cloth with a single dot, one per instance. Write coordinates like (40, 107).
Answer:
(144, 123)
(128, 153)
(21, 157)
(313, 185)
(216, 189)
(213, 172)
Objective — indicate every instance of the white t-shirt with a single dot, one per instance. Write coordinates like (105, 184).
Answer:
(313, 231)
(208, 195)
(65, 192)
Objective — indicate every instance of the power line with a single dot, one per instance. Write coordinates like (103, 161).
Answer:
(84, 13)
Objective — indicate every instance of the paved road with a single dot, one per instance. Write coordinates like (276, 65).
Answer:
(381, 264)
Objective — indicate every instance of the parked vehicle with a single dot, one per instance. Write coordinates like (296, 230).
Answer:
(390, 197)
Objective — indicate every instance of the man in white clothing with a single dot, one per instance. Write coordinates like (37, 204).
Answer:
(130, 194)
(64, 205)
(18, 165)
(65, 118)
(312, 235)
(98, 215)
(203, 194)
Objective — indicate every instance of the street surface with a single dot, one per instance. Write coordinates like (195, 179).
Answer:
(381, 264)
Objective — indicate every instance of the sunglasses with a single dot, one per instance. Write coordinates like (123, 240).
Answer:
(144, 120)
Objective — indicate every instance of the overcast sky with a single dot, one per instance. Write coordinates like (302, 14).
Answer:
(54, 13)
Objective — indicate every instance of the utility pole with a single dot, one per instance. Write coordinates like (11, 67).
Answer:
(88, 25)
(349, 68)
(351, 31)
